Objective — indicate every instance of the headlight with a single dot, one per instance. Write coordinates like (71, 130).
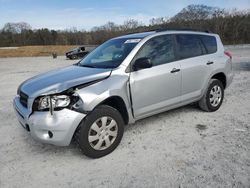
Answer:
(54, 101)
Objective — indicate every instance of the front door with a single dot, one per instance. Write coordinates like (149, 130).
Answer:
(158, 87)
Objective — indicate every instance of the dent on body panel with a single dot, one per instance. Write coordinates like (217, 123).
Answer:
(115, 85)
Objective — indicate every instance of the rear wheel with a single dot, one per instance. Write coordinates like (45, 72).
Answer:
(100, 132)
(213, 97)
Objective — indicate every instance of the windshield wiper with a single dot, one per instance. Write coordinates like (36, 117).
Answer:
(90, 66)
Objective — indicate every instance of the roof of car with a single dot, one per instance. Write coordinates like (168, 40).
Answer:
(138, 35)
(145, 34)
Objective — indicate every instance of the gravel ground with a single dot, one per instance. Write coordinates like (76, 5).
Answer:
(185, 147)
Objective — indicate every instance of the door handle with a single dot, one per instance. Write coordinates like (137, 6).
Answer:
(175, 70)
(210, 62)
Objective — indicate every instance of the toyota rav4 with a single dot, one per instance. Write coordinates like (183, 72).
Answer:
(123, 80)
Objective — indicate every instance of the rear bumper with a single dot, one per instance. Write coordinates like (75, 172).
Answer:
(229, 72)
(56, 129)
(230, 77)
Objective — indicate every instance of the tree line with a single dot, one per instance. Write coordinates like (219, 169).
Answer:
(232, 25)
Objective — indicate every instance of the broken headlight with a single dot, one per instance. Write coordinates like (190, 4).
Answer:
(54, 101)
(58, 102)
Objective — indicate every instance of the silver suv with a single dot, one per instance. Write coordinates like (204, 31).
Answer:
(123, 80)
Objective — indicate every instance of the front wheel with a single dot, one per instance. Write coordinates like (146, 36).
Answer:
(100, 132)
(213, 97)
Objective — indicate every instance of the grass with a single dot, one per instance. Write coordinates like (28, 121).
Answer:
(32, 51)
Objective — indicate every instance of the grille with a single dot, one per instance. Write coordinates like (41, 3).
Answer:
(24, 99)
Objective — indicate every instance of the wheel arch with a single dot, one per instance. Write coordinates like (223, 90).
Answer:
(221, 77)
(119, 104)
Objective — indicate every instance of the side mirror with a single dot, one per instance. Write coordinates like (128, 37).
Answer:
(142, 63)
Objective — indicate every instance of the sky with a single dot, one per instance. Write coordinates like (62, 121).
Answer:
(85, 14)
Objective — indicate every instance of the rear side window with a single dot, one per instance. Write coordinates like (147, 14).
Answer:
(210, 43)
(189, 45)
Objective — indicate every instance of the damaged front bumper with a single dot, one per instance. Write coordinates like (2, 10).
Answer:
(57, 129)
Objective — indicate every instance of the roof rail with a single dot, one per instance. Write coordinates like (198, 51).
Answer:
(181, 29)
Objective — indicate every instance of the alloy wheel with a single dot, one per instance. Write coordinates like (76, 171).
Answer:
(215, 95)
(102, 133)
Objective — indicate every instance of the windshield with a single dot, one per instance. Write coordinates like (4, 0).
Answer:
(110, 54)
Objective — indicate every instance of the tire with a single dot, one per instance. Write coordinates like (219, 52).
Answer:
(100, 132)
(213, 97)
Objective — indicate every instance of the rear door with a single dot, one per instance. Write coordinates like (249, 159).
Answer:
(196, 65)
(157, 87)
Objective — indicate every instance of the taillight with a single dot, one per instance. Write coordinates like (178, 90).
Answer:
(228, 54)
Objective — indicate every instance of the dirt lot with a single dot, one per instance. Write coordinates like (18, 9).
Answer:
(33, 51)
(184, 147)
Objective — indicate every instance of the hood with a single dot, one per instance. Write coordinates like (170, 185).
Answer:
(61, 79)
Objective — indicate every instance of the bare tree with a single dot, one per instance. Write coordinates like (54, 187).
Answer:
(130, 24)
(16, 27)
(158, 21)
(195, 12)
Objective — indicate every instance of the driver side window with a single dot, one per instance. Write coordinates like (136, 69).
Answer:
(159, 50)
